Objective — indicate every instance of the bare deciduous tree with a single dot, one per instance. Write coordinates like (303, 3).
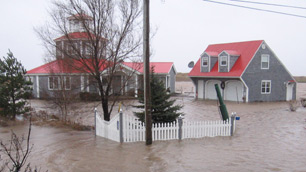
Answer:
(16, 153)
(62, 88)
(113, 33)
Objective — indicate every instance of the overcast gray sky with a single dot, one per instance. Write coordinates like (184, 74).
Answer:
(185, 29)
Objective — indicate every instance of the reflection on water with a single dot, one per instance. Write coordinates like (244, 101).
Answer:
(268, 138)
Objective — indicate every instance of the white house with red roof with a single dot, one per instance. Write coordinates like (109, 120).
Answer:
(245, 71)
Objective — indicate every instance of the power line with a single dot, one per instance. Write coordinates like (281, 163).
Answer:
(258, 9)
(263, 3)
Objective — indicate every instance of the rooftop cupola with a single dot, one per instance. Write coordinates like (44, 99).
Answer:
(78, 22)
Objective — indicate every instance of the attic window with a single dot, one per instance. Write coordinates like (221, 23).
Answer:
(223, 61)
(204, 61)
(265, 61)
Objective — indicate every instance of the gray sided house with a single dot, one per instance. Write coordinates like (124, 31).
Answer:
(245, 72)
(50, 79)
(55, 77)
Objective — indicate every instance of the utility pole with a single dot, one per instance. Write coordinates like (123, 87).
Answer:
(146, 64)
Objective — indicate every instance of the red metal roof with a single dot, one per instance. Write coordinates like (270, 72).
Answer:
(246, 50)
(60, 66)
(79, 16)
(212, 53)
(159, 67)
(64, 66)
(232, 52)
(75, 35)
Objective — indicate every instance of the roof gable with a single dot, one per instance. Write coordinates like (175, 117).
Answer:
(159, 67)
(212, 53)
(246, 50)
(78, 35)
(61, 67)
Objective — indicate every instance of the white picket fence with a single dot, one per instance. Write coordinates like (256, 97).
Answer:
(108, 129)
(133, 130)
(199, 129)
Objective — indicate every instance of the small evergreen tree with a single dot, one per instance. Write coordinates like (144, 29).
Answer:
(14, 88)
(162, 107)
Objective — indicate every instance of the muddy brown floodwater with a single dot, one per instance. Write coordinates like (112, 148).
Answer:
(268, 138)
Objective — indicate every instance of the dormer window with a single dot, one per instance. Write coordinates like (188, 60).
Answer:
(204, 61)
(265, 61)
(223, 61)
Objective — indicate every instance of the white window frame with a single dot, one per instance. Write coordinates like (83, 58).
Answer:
(31, 79)
(204, 59)
(223, 58)
(88, 49)
(268, 60)
(265, 87)
(58, 83)
(65, 83)
(74, 48)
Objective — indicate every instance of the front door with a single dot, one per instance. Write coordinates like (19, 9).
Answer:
(289, 92)
(117, 87)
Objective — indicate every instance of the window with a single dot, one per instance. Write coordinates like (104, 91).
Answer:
(204, 61)
(88, 49)
(29, 78)
(74, 48)
(67, 82)
(265, 87)
(58, 48)
(76, 25)
(53, 82)
(223, 61)
(265, 61)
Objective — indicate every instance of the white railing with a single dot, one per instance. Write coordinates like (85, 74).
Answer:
(133, 130)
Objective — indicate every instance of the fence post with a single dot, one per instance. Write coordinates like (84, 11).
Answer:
(121, 126)
(233, 117)
(95, 121)
(180, 123)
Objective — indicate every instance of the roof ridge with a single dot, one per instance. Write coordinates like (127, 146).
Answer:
(237, 42)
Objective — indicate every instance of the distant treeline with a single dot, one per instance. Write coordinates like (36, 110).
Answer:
(300, 79)
(182, 77)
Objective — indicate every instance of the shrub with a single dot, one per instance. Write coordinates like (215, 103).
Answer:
(85, 96)
(293, 105)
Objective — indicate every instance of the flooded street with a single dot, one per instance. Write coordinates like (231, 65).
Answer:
(268, 138)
